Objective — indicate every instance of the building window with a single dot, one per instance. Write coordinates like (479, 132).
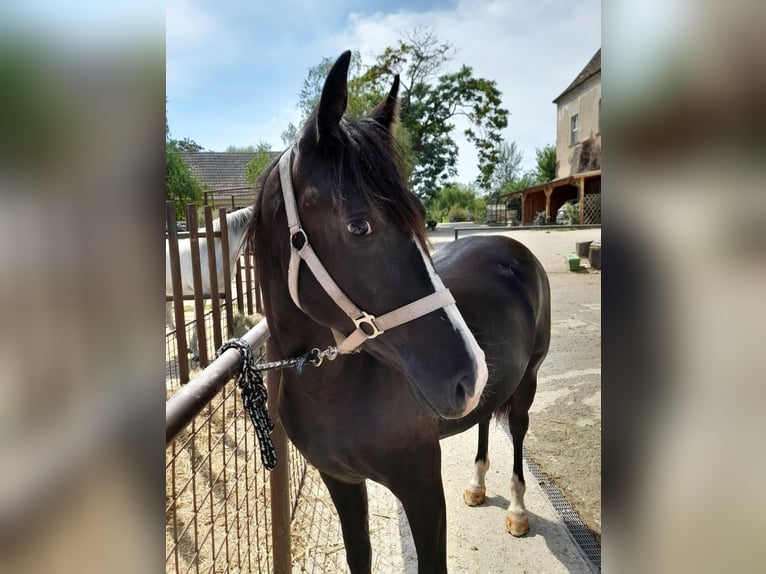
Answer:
(574, 129)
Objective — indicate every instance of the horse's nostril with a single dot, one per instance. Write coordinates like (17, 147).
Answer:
(461, 392)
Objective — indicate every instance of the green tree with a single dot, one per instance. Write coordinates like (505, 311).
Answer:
(180, 184)
(259, 163)
(430, 101)
(546, 163)
(507, 168)
(187, 144)
(456, 202)
(362, 95)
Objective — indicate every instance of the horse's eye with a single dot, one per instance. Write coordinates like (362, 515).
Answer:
(359, 227)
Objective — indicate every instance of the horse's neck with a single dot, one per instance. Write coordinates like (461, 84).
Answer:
(292, 330)
(236, 244)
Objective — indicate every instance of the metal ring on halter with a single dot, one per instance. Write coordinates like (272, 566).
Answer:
(294, 234)
(367, 320)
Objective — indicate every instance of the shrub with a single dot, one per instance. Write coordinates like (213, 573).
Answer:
(573, 213)
(458, 214)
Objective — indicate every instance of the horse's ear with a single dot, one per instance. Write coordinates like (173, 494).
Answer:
(385, 112)
(332, 103)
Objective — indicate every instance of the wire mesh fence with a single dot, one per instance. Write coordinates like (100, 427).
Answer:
(219, 507)
(217, 493)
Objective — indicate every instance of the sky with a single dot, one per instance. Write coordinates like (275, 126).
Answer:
(234, 67)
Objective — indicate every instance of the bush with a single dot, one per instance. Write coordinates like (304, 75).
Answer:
(458, 214)
(573, 213)
(457, 202)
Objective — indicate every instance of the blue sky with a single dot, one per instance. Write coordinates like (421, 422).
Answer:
(234, 68)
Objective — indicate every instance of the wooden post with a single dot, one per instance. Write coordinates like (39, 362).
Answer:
(199, 301)
(279, 480)
(523, 209)
(226, 267)
(581, 199)
(178, 298)
(548, 192)
(213, 271)
(249, 280)
(240, 294)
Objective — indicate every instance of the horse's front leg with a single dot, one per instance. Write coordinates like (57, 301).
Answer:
(351, 503)
(419, 487)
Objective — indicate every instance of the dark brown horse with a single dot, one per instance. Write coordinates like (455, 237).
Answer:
(341, 248)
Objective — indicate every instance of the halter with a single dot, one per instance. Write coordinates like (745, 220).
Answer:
(368, 326)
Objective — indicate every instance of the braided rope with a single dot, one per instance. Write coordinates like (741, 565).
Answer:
(254, 395)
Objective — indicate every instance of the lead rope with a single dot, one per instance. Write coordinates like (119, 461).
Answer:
(254, 395)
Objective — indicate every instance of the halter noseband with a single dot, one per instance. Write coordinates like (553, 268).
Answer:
(367, 325)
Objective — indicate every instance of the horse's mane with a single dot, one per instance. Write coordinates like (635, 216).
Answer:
(235, 219)
(366, 160)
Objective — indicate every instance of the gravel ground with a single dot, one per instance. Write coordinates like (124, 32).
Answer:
(564, 440)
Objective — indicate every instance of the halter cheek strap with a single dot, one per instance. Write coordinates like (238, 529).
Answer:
(367, 326)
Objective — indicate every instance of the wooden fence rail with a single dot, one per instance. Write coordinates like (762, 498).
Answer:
(206, 330)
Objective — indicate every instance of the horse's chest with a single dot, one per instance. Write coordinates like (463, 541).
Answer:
(338, 437)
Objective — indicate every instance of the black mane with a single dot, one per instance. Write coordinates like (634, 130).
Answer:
(365, 159)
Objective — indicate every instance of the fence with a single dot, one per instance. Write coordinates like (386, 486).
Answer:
(205, 331)
(222, 512)
(236, 197)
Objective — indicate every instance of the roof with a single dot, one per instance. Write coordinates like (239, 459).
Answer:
(591, 69)
(221, 170)
(567, 180)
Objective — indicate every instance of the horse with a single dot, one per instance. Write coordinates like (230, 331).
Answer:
(422, 348)
(236, 226)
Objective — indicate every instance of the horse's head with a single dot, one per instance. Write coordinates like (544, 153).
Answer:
(368, 231)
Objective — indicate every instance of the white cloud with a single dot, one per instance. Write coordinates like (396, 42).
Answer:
(533, 50)
(195, 42)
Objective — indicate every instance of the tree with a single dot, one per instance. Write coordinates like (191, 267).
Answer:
(456, 202)
(180, 184)
(187, 144)
(507, 168)
(430, 101)
(256, 166)
(546, 163)
(362, 96)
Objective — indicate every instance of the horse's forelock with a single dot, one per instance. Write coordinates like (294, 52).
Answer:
(371, 156)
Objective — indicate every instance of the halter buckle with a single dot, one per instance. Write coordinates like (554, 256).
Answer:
(368, 326)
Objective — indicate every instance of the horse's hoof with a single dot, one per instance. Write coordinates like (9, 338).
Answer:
(474, 496)
(517, 524)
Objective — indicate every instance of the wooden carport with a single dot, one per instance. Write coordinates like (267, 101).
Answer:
(550, 196)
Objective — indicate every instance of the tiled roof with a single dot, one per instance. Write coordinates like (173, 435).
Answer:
(220, 170)
(591, 69)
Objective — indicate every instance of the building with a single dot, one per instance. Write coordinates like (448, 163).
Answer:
(578, 153)
(578, 124)
(223, 175)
